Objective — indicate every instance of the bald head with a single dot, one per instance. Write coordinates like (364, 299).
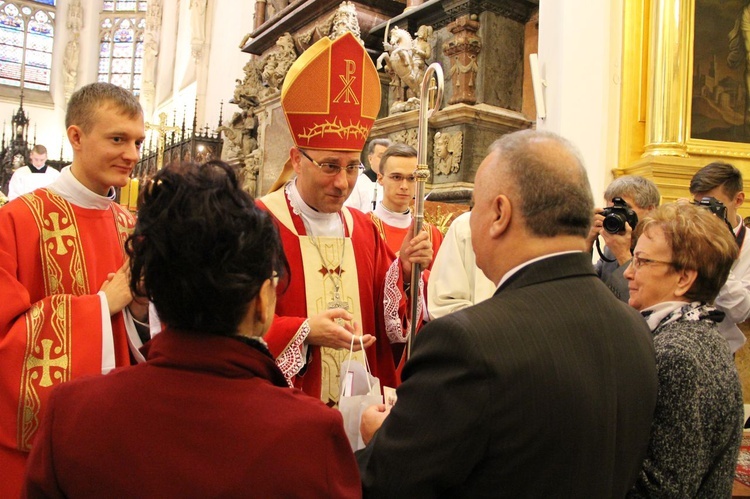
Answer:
(544, 176)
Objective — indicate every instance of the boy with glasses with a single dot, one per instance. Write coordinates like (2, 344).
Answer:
(393, 215)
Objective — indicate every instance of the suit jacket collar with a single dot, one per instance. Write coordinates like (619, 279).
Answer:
(550, 269)
(224, 356)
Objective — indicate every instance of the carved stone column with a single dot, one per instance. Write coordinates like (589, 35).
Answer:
(197, 28)
(463, 50)
(73, 23)
(150, 51)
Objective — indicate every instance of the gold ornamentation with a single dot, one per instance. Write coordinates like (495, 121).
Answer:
(47, 362)
(58, 232)
(335, 127)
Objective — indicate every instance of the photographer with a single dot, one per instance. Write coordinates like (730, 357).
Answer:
(723, 182)
(629, 199)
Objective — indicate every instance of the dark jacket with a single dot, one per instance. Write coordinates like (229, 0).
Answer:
(546, 389)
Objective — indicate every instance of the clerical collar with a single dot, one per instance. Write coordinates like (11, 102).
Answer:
(655, 314)
(400, 220)
(68, 187)
(318, 223)
(34, 169)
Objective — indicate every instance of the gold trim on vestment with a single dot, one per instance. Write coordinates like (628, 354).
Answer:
(47, 362)
(47, 359)
(320, 285)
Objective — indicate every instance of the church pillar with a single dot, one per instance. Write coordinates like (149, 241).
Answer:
(74, 24)
(150, 51)
(201, 14)
(669, 52)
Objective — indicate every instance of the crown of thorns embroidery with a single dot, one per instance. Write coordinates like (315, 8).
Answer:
(335, 127)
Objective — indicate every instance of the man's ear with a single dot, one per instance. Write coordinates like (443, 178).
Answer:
(75, 135)
(380, 178)
(295, 157)
(739, 199)
(501, 215)
(685, 281)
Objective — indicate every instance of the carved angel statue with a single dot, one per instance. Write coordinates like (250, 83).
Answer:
(447, 150)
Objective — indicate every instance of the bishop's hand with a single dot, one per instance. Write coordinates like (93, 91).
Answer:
(327, 331)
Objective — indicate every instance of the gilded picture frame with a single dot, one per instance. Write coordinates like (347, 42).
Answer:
(718, 78)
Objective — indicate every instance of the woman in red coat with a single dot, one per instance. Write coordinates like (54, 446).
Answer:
(209, 414)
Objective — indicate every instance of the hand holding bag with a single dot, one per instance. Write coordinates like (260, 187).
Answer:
(359, 390)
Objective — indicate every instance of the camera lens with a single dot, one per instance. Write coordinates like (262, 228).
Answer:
(614, 223)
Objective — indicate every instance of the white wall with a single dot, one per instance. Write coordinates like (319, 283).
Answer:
(232, 20)
(177, 76)
(580, 46)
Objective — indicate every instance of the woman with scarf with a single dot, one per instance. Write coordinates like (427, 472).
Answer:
(682, 259)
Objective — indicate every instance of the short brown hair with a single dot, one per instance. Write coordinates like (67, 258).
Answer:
(553, 189)
(699, 241)
(397, 150)
(39, 149)
(86, 100)
(717, 174)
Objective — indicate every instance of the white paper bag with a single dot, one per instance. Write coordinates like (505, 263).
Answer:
(359, 390)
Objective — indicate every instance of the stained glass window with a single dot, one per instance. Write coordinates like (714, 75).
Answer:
(121, 27)
(27, 30)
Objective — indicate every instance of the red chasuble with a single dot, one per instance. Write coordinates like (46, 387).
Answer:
(54, 257)
(382, 305)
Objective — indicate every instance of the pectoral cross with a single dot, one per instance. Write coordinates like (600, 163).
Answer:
(161, 129)
(337, 302)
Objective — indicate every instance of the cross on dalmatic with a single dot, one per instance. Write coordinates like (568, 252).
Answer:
(57, 233)
(46, 362)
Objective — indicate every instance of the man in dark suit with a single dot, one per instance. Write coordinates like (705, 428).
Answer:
(548, 388)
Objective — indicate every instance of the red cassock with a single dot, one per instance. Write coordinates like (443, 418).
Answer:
(394, 236)
(54, 257)
(382, 303)
(204, 416)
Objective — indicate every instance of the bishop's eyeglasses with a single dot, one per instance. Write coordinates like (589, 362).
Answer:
(333, 168)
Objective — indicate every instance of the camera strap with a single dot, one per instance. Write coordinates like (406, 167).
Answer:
(601, 253)
(740, 237)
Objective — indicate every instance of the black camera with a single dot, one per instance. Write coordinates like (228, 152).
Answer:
(714, 206)
(617, 215)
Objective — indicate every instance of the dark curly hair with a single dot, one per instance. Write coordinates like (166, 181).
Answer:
(201, 249)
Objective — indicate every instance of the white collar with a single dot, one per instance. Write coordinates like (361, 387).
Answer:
(515, 269)
(68, 187)
(316, 222)
(399, 220)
